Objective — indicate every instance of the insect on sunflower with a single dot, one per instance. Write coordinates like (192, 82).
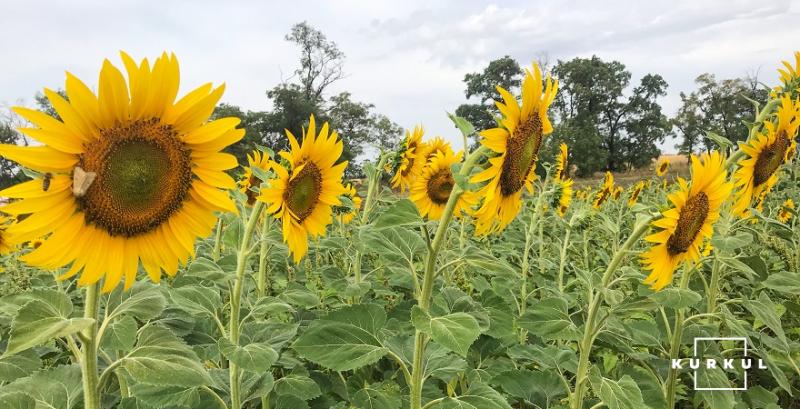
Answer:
(685, 226)
(410, 160)
(786, 211)
(431, 190)
(250, 181)
(662, 167)
(303, 195)
(516, 142)
(766, 153)
(136, 175)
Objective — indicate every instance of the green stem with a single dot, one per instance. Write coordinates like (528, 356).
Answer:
(424, 297)
(525, 264)
(675, 344)
(217, 241)
(372, 187)
(236, 297)
(591, 329)
(91, 393)
(261, 279)
(713, 287)
(563, 259)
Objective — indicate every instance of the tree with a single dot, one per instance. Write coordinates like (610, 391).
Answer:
(504, 72)
(591, 101)
(321, 60)
(360, 127)
(10, 173)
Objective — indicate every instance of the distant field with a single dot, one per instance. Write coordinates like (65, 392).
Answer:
(679, 166)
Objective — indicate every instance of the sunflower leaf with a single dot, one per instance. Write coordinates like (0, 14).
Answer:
(255, 357)
(339, 346)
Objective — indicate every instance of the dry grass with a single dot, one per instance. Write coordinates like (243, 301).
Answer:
(679, 166)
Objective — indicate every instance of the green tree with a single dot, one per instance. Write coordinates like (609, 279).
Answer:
(321, 60)
(504, 72)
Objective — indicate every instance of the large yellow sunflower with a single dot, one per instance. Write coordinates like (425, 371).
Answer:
(766, 152)
(561, 163)
(410, 160)
(605, 191)
(662, 167)
(431, 190)
(516, 142)
(249, 180)
(303, 196)
(134, 175)
(690, 222)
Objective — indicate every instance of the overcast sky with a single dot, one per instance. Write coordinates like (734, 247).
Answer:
(406, 57)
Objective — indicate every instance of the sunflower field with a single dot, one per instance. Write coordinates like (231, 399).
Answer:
(143, 267)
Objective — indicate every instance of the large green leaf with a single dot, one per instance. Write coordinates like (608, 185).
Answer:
(369, 317)
(161, 358)
(297, 385)
(141, 302)
(785, 281)
(622, 394)
(376, 396)
(455, 332)
(479, 396)
(197, 299)
(56, 388)
(540, 388)
(251, 357)
(676, 297)
(45, 317)
(401, 213)
(18, 366)
(766, 311)
(396, 245)
(549, 319)
(120, 334)
(339, 346)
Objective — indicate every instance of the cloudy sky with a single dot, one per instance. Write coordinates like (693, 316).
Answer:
(407, 57)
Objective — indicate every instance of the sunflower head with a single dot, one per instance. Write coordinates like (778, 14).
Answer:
(132, 174)
(431, 190)
(606, 191)
(516, 144)
(409, 160)
(562, 196)
(250, 182)
(435, 146)
(348, 214)
(684, 227)
(304, 193)
(766, 152)
(562, 166)
(790, 77)
(786, 211)
(662, 167)
(635, 192)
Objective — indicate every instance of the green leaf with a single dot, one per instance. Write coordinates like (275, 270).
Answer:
(161, 358)
(401, 213)
(252, 357)
(676, 298)
(143, 304)
(622, 394)
(18, 366)
(766, 311)
(396, 245)
(550, 320)
(55, 388)
(479, 396)
(731, 243)
(715, 378)
(785, 282)
(159, 396)
(197, 300)
(376, 396)
(120, 335)
(455, 332)
(297, 385)
(290, 402)
(369, 317)
(738, 265)
(463, 125)
(721, 141)
(43, 318)
(339, 346)
(300, 297)
(540, 388)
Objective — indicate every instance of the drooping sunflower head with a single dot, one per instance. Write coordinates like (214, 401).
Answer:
(431, 190)
(562, 196)
(605, 192)
(409, 160)
(766, 153)
(786, 211)
(348, 215)
(635, 192)
(516, 144)
(562, 166)
(790, 77)
(617, 192)
(304, 194)
(662, 167)
(133, 175)
(685, 226)
(250, 181)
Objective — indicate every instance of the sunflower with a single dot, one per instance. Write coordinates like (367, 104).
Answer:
(635, 192)
(410, 160)
(303, 196)
(785, 213)
(350, 192)
(517, 142)
(132, 175)
(431, 189)
(561, 163)
(690, 222)
(790, 77)
(249, 180)
(5, 248)
(562, 197)
(662, 167)
(605, 191)
(766, 152)
(617, 192)
(437, 145)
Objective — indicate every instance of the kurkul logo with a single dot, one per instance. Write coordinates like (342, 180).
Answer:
(698, 363)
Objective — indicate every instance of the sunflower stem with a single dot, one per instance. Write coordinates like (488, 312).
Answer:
(563, 258)
(91, 393)
(675, 344)
(591, 327)
(262, 278)
(217, 241)
(525, 264)
(236, 298)
(424, 297)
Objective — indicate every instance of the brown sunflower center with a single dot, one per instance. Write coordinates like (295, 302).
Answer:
(144, 173)
(522, 149)
(663, 168)
(770, 159)
(252, 182)
(693, 214)
(440, 185)
(303, 192)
